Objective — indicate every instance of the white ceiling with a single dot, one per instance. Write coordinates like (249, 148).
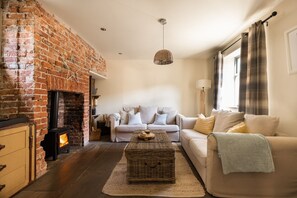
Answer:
(194, 27)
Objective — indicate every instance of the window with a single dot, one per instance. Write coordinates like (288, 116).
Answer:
(230, 85)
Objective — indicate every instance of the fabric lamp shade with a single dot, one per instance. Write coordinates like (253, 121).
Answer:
(203, 84)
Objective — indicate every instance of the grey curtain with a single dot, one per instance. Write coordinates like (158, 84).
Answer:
(253, 96)
(218, 80)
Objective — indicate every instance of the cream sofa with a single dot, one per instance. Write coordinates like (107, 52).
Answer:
(203, 152)
(121, 128)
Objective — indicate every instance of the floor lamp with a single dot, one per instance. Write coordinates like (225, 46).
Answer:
(203, 84)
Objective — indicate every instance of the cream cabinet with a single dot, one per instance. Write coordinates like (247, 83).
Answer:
(16, 145)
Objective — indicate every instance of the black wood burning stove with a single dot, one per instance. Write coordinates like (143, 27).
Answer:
(56, 141)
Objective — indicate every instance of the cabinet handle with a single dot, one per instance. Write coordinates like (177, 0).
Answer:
(2, 186)
(2, 167)
(2, 146)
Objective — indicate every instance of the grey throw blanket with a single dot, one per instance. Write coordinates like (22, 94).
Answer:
(244, 152)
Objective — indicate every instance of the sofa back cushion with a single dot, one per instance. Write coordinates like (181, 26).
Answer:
(224, 120)
(266, 125)
(171, 115)
(147, 114)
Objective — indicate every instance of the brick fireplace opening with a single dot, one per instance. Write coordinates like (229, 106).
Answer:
(66, 110)
(65, 119)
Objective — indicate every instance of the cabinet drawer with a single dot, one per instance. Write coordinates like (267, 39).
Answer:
(13, 142)
(12, 161)
(13, 181)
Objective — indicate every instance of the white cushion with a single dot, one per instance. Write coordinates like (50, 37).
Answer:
(266, 125)
(160, 119)
(134, 119)
(131, 128)
(148, 114)
(168, 127)
(225, 120)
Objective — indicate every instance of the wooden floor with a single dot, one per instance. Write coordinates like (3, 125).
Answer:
(82, 173)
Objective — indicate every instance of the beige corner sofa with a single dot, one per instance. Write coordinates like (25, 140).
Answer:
(202, 149)
(130, 119)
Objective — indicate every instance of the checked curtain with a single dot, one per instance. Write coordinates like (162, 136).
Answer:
(218, 80)
(253, 95)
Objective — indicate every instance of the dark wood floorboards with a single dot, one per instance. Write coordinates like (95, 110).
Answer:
(81, 173)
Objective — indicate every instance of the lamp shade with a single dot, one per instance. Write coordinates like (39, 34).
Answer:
(163, 57)
(203, 84)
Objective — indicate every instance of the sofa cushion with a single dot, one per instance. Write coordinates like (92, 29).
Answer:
(239, 128)
(266, 125)
(188, 134)
(171, 115)
(134, 119)
(204, 125)
(130, 128)
(167, 128)
(225, 120)
(160, 119)
(125, 116)
(148, 114)
(199, 150)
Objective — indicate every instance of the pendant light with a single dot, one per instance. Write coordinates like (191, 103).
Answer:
(164, 56)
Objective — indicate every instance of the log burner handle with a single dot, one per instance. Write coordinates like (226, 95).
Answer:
(2, 167)
(2, 146)
(2, 186)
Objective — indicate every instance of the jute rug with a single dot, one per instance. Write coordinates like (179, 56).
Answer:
(186, 184)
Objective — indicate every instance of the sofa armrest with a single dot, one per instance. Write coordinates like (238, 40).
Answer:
(114, 122)
(187, 122)
(284, 153)
(178, 119)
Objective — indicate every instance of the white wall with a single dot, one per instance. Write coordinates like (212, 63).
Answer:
(282, 86)
(140, 82)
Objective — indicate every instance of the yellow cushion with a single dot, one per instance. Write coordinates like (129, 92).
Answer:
(239, 128)
(204, 125)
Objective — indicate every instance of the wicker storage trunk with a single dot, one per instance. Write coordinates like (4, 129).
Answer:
(151, 160)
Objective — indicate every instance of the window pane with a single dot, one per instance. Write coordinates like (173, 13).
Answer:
(230, 88)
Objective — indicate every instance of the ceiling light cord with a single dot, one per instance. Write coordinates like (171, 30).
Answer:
(163, 36)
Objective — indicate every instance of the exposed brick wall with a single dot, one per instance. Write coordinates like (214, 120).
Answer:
(41, 54)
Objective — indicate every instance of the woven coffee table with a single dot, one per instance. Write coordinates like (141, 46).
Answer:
(150, 160)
